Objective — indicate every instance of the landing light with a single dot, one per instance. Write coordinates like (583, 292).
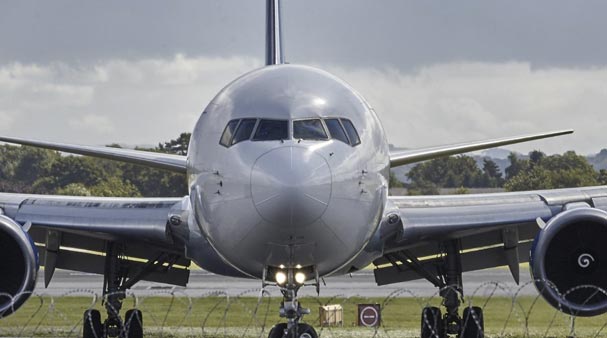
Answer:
(300, 277)
(280, 277)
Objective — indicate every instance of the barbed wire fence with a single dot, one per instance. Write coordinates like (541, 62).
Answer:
(508, 312)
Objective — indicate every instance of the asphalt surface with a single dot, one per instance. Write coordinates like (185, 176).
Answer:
(486, 282)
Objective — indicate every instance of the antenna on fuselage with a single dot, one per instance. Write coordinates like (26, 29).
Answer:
(274, 54)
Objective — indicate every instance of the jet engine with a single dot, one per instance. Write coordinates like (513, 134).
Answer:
(568, 261)
(18, 266)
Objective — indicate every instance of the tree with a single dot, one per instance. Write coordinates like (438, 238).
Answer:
(530, 179)
(602, 177)
(114, 187)
(516, 166)
(492, 176)
(554, 171)
(74, 189)
(535, 157)
(447, 172)
(177, 146)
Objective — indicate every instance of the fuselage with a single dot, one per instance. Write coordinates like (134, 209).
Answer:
(288, 166)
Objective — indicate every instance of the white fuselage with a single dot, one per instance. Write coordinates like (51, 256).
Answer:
(294, 201)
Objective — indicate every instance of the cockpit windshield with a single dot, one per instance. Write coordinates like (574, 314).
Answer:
(316, 129)
(337, 130)
(351, 131)
(309, 130)
(245, 128)
(272, 130)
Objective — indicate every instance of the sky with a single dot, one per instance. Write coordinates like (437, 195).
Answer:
(436, 72)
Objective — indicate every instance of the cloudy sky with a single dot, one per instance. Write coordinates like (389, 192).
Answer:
(139, 72)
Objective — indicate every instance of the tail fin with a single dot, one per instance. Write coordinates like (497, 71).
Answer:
(274, 53)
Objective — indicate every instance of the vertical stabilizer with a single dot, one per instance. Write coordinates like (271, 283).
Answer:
(274, 54)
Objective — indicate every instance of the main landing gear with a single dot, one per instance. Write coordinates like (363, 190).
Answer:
(290, 281)
(115, 284)
(434, 324)
(118, 279)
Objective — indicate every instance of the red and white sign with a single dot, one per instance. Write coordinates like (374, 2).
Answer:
(369, 315)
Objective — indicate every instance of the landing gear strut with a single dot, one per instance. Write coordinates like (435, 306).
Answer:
(115, 284)
(436, 325)
(291, 309)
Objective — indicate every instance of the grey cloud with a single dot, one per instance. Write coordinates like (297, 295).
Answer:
(402, 34)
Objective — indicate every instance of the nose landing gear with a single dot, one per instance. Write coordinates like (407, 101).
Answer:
(290, 307)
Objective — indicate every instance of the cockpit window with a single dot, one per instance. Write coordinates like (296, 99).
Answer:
(245, 128)
(336, 130)
(309, 130)
(351, 131)
(226, 137)
(272, 130)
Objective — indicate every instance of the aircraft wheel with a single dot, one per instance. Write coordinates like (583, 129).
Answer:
(307, 331)
(473, 323)
(304, 331)
(432, 323)
(133, 324)
(92, 324)
(278, 331)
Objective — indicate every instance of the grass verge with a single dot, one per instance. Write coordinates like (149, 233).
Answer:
(238, 317)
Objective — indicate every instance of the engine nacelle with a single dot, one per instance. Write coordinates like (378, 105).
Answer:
(18, 266)
(568, 261)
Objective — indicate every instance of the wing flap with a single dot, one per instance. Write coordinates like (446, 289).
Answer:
(404, 157)
(471, 261)
(170, 162)
(91, 262)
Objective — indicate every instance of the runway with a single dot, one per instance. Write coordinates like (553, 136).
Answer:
(358, 284)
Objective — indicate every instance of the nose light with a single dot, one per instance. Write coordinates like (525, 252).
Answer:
(280, 277)
(291, 186)
(300, 277)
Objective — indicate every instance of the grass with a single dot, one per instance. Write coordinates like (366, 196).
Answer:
(236, 317)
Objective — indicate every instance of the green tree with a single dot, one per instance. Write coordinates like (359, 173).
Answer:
(446, 172)
(530, 179)
(602, 177)
(492, 176)
(74, 189)
(554, 171)
(177, 146)
(516, 166)
(536, 157)
(114, 187)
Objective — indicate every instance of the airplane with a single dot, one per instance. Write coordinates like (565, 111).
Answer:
(288, 173)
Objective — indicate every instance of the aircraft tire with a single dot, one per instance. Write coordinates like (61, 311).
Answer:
(92, 327)
(432, 323)
(473, 323)
(278, 330)
(133, 324)
(307, 331)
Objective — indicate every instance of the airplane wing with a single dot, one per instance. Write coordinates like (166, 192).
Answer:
(404, 157)
(491, 229)
(170, 162)
(73, 232)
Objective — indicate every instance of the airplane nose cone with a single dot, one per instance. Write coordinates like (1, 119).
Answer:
(291, 186)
